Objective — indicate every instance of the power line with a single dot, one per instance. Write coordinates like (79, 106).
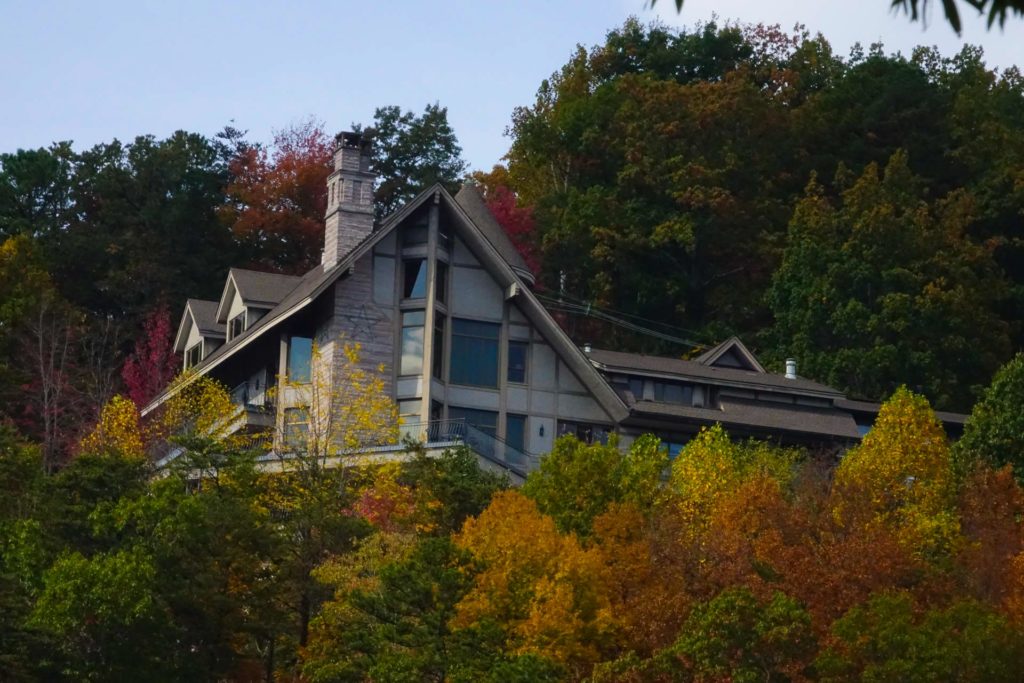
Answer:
(591, 311)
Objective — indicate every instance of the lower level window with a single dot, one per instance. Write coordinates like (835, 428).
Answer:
(515, 432)
(484, 420)
(296, 428)
(411, 362)
(584, 431)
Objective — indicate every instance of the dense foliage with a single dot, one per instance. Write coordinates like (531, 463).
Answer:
(746, 562)
(862, 214)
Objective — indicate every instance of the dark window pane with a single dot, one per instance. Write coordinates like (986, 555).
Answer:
(474, 353)
(484, 420)
(441, 282)
(414, 285)
(636, 386)
(515, 431)
(517, 362)
(300, 356)
(416, 234)
(194, 355)
(438, 351)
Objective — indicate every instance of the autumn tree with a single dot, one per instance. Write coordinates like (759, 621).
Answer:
(277, 198)
(153, 363)
(577, 481)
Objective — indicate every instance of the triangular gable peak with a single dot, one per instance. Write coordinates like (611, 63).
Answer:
(198, 315)
(731, 354)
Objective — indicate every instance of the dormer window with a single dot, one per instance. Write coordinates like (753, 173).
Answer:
(193, 355)
(236, 326)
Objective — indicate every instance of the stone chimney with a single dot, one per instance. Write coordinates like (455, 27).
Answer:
(349, 198)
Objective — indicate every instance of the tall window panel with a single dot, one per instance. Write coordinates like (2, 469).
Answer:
(437, 359)
(517, 352)
(474, 353)
(300, 359)
(412, 343)
(515, 431)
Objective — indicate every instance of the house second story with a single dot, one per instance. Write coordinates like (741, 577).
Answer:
(441, 304)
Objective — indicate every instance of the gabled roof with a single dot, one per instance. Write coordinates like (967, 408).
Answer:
(202, 314)
(731, 353)
(472, 202)
(674, 368)
(484, 247)
(257, 289)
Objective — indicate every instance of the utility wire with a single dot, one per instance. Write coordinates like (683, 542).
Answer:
(591, 311)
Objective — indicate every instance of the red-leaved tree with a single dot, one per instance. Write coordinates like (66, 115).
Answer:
(277, 198)
(153, 363)
(518, 223)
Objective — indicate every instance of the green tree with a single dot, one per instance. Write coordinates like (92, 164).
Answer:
(887, 639)
(994, 432)
(887, 288)
(411, 153)
(737, 636)
(576, 482)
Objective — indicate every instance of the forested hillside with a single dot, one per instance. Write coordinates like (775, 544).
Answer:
(860, 213)
(735, 561)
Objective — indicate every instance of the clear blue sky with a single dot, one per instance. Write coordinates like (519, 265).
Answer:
(90, 72)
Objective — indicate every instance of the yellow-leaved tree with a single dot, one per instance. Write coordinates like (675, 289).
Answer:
(902, 476)
(544, 588)
(119, 430)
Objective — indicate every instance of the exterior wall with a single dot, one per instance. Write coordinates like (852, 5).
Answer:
(356, 317)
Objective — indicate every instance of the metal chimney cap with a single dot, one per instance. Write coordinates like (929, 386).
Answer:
(791, 368)
(587, 348)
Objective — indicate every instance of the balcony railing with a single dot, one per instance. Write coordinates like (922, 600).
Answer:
(434, 435)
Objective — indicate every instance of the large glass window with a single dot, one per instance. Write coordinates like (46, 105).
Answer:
(414, 283)
(441, 281)
(437, 358)
(412, 343)
(474, 353)
(194, 355)
(517, 351)
(515, 432)
(484, 420)
(300, 359)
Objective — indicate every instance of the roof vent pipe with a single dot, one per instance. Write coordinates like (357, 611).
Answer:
(790, 368)
(586, 348)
